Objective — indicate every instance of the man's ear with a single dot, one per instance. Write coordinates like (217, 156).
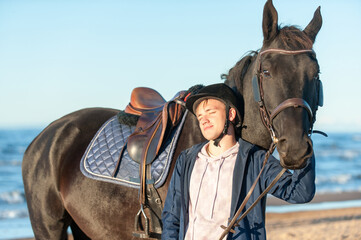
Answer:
(232, 114)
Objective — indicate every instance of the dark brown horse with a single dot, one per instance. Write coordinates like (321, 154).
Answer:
(59, 196)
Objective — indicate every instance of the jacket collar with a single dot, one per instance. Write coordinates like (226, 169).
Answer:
(238, 173)
(190, 159)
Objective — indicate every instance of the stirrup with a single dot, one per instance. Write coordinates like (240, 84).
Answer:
(141, 232)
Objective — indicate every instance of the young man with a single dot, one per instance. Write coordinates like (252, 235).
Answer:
(211, 179)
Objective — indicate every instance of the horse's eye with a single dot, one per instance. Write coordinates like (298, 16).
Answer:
(266, 73)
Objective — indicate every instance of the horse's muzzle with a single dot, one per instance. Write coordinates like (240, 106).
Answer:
(293, 154)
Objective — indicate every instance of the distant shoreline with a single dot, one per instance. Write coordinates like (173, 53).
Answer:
(321, 197)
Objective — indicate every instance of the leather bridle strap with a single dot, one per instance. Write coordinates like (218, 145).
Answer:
(282, 51)
(292, 102)
(267, 116)
(235, 221)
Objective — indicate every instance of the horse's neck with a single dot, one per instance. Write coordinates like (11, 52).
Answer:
(253, 129)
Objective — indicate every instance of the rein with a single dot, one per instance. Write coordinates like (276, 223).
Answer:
(235, 220)
(267, 119)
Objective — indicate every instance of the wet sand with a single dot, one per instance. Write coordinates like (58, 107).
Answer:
(315, 225)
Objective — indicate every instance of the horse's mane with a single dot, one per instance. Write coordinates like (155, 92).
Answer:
(289, 37)
(235, 75)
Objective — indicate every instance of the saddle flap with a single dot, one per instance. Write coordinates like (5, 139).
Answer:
(145, 142)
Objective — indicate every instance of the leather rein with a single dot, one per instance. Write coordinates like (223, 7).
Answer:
(267, 119)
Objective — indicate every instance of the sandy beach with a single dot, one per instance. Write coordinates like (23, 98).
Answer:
(330, 224)
(315, 225)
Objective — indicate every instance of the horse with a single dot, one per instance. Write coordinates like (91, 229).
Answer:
(59, 196)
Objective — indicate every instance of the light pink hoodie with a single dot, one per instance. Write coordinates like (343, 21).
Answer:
(210, 194)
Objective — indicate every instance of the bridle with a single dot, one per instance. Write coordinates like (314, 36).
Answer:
(268, 116)
(267, 119)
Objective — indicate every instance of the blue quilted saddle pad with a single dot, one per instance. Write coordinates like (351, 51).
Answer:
(100, 158)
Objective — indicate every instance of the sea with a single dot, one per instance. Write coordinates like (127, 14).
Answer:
(338, 170)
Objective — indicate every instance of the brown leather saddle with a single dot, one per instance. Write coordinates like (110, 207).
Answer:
(157, 118)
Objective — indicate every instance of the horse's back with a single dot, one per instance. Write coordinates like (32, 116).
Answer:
(73, 130)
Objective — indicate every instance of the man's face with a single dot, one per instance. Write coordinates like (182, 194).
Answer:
(211, 115)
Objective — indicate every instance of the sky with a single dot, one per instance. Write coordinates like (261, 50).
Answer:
(57, 57)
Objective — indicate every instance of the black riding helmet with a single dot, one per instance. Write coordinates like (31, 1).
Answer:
(221, 92)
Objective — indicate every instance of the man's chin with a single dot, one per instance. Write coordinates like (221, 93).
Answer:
(210, 138)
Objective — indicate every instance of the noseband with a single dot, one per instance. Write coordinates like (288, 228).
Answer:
(267, 116)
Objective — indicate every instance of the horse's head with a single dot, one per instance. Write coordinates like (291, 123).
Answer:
(289, 86)
(286, 87)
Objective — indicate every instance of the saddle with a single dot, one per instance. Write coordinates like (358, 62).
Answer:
(155, 116)
(138, 139)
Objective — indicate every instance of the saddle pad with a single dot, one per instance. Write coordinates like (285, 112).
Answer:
(100, 159)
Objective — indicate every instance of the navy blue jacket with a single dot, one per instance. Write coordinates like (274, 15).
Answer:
(296, 187)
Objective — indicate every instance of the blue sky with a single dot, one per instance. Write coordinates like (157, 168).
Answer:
(60, 56)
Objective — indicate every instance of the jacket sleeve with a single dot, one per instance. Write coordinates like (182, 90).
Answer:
(296, 187)
(171, 214)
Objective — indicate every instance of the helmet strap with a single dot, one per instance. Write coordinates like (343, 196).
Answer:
(225, 129)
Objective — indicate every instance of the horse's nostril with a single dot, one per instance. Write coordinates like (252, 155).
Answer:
(310, 147)
(281, 147)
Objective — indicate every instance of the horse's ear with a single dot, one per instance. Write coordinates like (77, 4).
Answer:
(314, 26)
(270, 21)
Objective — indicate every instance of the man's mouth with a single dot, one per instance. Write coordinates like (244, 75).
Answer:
(207, 127)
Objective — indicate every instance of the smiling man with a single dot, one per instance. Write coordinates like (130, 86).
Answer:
(211, 179)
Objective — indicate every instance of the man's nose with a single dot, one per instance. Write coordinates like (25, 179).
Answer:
(204, 120)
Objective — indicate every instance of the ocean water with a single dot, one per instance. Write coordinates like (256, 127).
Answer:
(14, 217)
(338, 169)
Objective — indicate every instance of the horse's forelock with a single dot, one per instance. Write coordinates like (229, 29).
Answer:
(292, 38)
